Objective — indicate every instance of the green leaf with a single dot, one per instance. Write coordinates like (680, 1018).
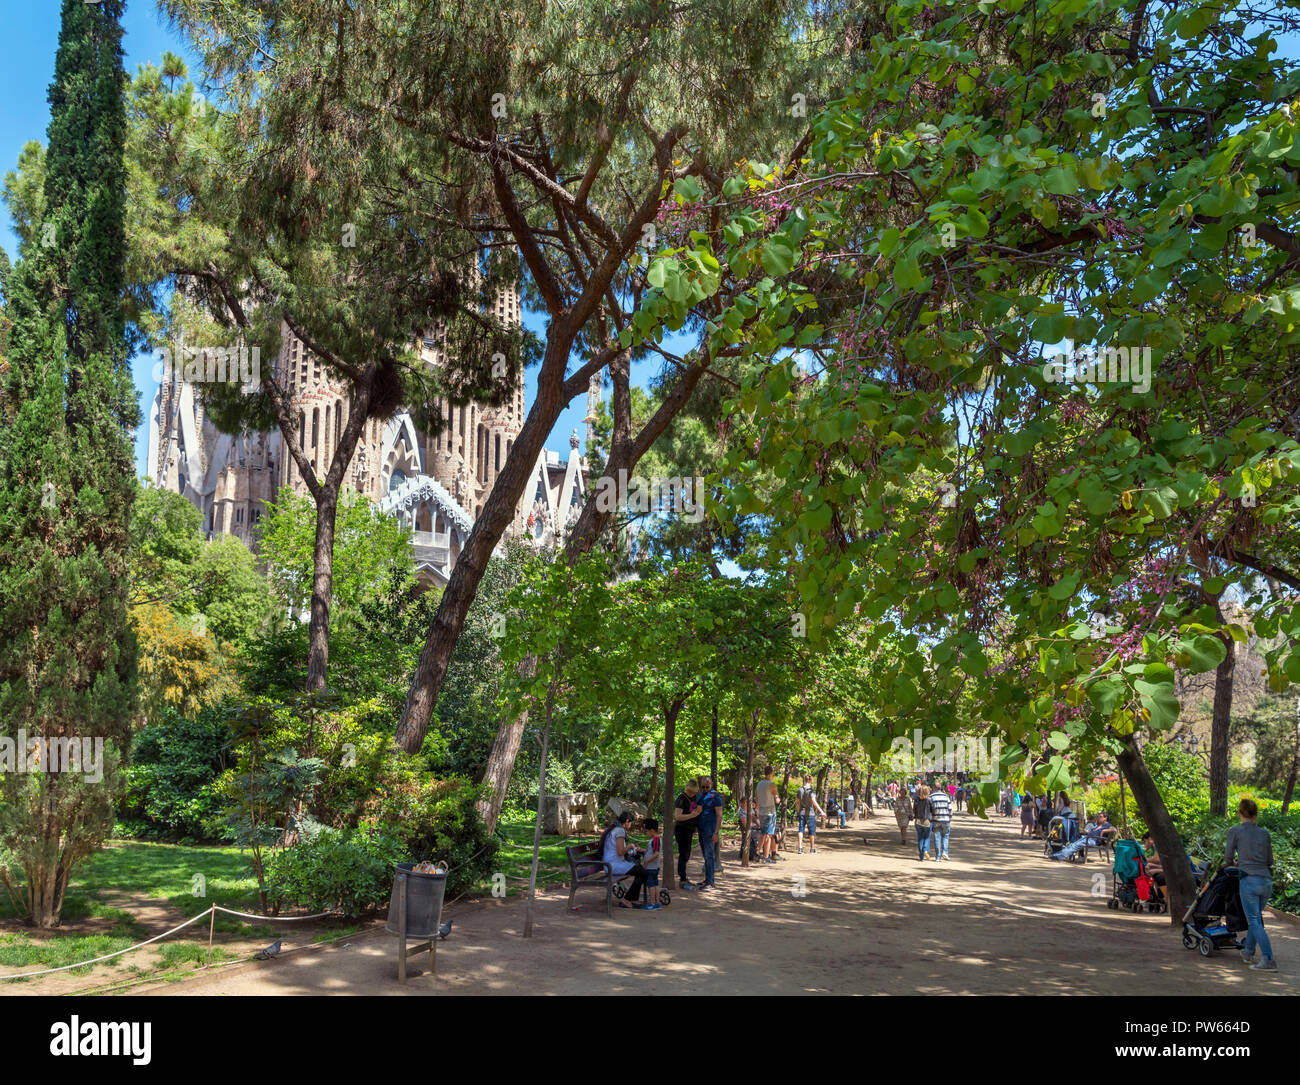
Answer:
(1159, 700)
(778, 256)
(1107, 693)
(1204, 652)
(907, 275)
(1057, 776)
(1061, 181)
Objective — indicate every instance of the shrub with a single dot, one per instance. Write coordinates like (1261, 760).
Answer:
(1180, 776)
(1205, 838)
(438, 820)
(344, 870)
(171, 783)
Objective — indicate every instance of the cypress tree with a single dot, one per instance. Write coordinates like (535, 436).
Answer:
(67, 655)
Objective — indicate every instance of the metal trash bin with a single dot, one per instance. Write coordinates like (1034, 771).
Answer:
(415, 911)
(423, 898)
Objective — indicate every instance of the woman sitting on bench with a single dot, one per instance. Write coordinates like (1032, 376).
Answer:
(614, 850)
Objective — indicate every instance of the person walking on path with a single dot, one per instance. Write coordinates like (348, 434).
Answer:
(1027, 817)
(1250, 849)
(902, 814)
(940, 822)
(809, 808)
(766, 795)
(686, 814)
(921, 814)
(710, 805)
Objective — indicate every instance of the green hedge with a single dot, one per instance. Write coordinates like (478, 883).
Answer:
(344, 870)
(1206, 835)
(171, 782)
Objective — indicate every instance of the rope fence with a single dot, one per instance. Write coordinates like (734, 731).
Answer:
(211, 911)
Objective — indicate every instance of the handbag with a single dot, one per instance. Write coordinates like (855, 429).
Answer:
(923, 822)
(1143, 884)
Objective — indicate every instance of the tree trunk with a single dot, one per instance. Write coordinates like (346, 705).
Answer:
(499, 510)
(747, 784)
(318, 651)
(785, 790)
(47, 877)
(450, 617)
(823, 782)
(654, 783)
(325, 494)
(1290, 782)
(1222, 717)
(1180, 884)
(668, 871)
(867, 791)
(541, 814)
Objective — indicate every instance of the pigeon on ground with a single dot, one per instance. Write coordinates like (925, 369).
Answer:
(444, 930)
(270, 951)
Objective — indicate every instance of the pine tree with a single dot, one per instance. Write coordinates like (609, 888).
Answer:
(67, 656)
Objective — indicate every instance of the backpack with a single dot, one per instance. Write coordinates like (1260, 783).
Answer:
(805, 799)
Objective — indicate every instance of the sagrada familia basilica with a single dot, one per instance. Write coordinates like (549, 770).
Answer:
(436, 486)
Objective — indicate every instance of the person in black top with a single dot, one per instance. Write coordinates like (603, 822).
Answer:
(686, 813)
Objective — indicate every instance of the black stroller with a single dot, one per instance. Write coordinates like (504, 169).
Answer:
(1216, 916)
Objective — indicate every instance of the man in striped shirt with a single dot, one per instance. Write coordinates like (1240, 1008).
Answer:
(940, 821)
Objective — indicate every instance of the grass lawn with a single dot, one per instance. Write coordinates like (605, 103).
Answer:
(109, 893)
(515, 857)
(126, 874)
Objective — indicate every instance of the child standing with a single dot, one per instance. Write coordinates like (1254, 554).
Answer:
(651, 864)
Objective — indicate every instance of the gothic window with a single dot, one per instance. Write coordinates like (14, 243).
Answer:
(497, 468)
(327, 427)
(315, 425)
(541, 493)
(396, 479)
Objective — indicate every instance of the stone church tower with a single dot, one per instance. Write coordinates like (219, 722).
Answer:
(435, 485)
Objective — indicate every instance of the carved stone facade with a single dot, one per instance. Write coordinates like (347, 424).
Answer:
(435, 485)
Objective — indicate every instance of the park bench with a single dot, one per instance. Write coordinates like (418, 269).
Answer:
(587, 868)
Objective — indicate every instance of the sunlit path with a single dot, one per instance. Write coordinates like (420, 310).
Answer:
(997, 919)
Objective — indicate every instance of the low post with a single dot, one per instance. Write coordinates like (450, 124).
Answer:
(401, 929)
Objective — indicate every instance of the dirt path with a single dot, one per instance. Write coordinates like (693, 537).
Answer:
(999, 918)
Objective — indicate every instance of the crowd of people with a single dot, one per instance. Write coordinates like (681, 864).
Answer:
(697, 813)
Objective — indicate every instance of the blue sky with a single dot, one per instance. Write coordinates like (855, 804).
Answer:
(27, 46)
